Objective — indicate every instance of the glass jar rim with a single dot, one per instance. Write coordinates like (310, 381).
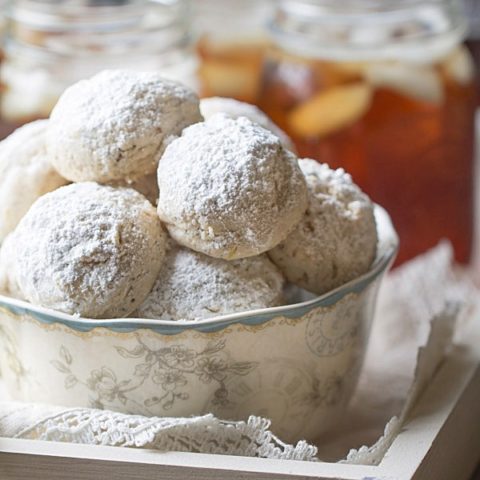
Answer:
(85, 27)
(415, 30)
(81, 15)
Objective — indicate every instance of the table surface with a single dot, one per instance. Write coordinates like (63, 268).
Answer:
(476, 475)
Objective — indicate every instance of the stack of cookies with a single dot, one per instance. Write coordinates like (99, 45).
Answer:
(137, 199)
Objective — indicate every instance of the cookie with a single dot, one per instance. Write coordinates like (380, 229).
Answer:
(8, 278)
(25, 173)
(234, 109)
(193, 286)
(336, 240)
(229, 189)
(115, 125)
(90, 250)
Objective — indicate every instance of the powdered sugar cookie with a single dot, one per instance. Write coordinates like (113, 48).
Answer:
(337, 238)
(193, 286)
(115, 125)
(90, 250)
(229, 189)
(8, 279)
(25, 173)
(234, 109)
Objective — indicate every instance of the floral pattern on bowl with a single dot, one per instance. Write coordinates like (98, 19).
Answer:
(295, 364)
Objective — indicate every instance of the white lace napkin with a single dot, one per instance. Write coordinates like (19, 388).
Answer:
(205, 434)
(418, 307)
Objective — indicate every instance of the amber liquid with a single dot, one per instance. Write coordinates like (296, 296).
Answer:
(231, 70)
(413, 156)
(6, 128)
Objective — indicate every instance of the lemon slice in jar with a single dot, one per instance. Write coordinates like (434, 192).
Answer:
(331, 110)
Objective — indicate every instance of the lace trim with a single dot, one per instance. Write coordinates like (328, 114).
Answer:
(205, 434)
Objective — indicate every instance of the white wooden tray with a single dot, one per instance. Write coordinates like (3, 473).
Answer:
(440, 441)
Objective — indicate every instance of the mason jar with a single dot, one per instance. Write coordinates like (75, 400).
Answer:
(231, 46)
(50, 45)
(472, 11)
(386, 91)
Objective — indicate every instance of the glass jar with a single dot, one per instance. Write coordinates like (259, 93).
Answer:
(231, 47)
(50, 45)
(472, 10)
(386, 91)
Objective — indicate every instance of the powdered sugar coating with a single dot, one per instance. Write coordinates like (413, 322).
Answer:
(234, 109)
(90, 250)
(193, 286)
(8, 278)
(115, 125)
(336, 240)
(25, 173)
(229, 189)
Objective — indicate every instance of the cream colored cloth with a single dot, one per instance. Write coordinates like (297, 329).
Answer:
(418, 307)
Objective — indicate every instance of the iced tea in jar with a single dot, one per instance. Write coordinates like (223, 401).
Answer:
(386, 91)
(231, 47)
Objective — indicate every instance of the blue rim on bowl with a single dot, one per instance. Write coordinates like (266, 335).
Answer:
(388, 247)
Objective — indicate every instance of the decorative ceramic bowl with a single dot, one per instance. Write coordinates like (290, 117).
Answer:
(296, 364)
